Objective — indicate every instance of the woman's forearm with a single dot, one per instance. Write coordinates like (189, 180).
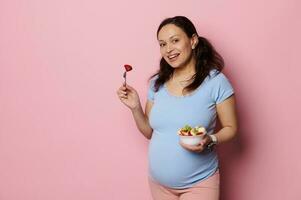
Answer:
(226, 134)
(142, 122)
(228, 120)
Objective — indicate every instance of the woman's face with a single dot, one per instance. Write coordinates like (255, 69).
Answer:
(175, 46)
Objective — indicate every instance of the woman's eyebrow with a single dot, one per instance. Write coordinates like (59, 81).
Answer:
(169, 37)
(173, 36)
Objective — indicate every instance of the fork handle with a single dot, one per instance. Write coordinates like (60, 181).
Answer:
(124, 76)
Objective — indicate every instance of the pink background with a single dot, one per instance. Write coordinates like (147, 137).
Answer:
(65, 135)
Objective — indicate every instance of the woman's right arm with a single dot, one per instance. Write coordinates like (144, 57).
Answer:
(142, 119)
(129, 96)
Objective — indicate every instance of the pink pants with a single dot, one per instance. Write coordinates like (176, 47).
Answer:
(207, 189)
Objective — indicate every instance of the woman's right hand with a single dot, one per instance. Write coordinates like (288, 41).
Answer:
(129, 96)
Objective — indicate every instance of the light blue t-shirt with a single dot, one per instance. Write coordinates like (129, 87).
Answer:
(169, 163)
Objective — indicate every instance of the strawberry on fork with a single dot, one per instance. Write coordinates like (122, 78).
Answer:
(127, 69)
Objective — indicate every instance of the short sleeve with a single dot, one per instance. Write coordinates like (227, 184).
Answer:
(222, 88)
(151, 90)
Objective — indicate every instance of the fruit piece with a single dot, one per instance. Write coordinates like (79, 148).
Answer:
(189, 131)
(128, 67)
(193, 131)
(186, 128)
(185, 131)
(200, 130)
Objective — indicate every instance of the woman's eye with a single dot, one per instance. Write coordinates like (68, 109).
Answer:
(175, 40)
(162, 45)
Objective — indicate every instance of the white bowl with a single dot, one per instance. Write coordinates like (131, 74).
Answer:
(191, 140)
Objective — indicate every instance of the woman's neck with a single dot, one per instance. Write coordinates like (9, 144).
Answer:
(185, 72)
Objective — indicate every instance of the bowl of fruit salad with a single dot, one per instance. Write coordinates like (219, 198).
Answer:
(191, 136)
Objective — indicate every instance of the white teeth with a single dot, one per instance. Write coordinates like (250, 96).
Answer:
(173, 56)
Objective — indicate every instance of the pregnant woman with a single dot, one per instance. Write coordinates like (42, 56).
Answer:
(189, 88)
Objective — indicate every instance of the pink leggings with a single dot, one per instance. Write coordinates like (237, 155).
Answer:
(207, 189)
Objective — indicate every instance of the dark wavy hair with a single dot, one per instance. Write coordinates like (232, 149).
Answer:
(207, 58)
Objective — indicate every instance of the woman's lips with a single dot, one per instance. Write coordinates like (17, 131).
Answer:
(173, 57)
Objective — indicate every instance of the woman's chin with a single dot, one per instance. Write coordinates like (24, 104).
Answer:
(174, 65)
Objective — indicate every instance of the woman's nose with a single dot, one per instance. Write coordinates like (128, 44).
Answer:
(169, 48)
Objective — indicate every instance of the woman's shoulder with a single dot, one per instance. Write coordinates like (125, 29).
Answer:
(154, 78)
(152, 81)
(217, 79)
(216, 75)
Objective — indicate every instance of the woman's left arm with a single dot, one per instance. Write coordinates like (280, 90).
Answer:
(227, 116)
(226, 113)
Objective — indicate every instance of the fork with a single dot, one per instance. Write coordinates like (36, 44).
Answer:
(124, 76)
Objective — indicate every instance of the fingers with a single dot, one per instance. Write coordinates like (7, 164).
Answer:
(123, 88)
(206, 140)
(130, 88)
(122, 92)
(194, 148)
(122, 96)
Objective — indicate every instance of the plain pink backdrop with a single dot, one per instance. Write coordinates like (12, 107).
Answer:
(65, 135)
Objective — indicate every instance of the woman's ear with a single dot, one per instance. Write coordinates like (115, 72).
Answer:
(194, 40)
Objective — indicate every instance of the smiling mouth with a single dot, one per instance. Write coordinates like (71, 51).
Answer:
(173, 57)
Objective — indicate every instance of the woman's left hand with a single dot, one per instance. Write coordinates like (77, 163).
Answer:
(198, 148)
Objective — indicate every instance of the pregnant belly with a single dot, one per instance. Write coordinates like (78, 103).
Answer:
(173, 166)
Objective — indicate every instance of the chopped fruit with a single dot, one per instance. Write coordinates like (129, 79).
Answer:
(128, 67)
(185, 130)
(189, 131)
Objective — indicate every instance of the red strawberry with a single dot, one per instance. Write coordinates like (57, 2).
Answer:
(128, 67)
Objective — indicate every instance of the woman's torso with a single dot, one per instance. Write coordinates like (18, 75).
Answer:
(169, 163)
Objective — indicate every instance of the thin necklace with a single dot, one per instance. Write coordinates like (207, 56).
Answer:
(182, 83)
